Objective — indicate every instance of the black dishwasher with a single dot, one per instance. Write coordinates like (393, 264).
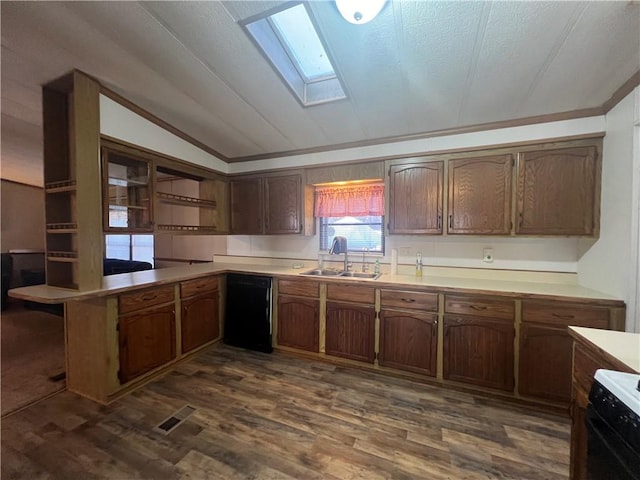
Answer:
(247, 322)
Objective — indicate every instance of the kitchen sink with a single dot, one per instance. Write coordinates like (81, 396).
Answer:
(327, 272)
(372, 276)
(322, 272)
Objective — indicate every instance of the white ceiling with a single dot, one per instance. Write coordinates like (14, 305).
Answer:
(420, 66)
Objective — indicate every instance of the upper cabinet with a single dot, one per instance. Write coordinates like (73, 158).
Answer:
(143, 191)
(558, 192)
(126, 192)
(271, 205)
(480, 195)
(245, 206)
(415, 198)
(283, 206)
(553, 189)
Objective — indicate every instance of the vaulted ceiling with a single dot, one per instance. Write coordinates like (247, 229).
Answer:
(420, 66)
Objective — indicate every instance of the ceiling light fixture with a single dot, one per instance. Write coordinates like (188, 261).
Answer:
(359, 11)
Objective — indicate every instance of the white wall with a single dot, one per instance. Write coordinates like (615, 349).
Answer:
(537, 254)
(607, 265)
(119, 122)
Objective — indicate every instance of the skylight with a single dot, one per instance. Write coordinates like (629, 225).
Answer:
(290, 41)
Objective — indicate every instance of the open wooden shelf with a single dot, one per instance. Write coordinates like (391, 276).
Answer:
(174, 199)
(186, 228)
(128, 207)
(62, 227)
(61, 186)
(58, 256)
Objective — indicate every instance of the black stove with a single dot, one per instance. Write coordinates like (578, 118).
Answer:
(613, 425)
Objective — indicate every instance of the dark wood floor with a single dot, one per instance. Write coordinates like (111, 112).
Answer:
(265, 416)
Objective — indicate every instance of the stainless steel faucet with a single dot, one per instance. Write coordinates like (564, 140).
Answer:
(339, 246)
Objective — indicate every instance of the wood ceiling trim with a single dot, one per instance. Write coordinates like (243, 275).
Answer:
(116, 97)
(553, 117)
(626, 88)
(618, 95)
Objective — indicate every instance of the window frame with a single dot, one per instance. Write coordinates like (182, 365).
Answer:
(324, 244)
(308, 92)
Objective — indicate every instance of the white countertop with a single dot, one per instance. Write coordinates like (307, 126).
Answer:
(115, 284)
(623, 346)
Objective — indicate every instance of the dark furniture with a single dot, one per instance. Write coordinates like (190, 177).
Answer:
(113, 266)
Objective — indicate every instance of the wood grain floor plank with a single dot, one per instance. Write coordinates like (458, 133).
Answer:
(261, 416)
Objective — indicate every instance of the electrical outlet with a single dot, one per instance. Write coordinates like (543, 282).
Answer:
(487, 255)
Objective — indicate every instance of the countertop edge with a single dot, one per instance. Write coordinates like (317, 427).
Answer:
(627, 345)
(116, 284)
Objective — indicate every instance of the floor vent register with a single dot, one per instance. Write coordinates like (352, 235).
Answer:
(167, 425)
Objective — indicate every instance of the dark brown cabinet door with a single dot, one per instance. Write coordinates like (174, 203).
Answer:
(200, 322)
(350, 331)
(408, 341)
(557, 192)
(283, 207)
(299, 323)
(480, 195)
(147, 340)
(415, 198)
(545, 362)
(479, 351)
(246, 206)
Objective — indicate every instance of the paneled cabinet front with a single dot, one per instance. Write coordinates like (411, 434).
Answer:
(147, 339)
(200, 319)
(546, 346)
(480, 195)
(283, 206)
(408, 332)
(272, 205)
(350, 331)
(299, 322)
(246, 206)
(558, 192)
(478, 341)
(415, 198)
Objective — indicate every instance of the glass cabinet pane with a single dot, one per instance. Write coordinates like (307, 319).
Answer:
(126, 192)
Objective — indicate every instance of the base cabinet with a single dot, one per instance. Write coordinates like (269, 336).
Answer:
(350, 331)
(545, 362)
(408, 341)
(479, 351)
(147, 340)
(200, 322)
(299, 323)
(200, 312)
(546, 346)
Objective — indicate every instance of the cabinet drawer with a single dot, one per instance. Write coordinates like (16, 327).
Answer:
(131, 302)
(198, 285)
(480, 306)
(304, 288)
(411, 300)
(565, 314)
(351, 293)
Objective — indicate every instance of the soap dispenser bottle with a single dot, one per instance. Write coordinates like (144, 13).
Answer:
(419, 264)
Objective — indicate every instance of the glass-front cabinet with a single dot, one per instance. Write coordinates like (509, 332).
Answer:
(127, 192)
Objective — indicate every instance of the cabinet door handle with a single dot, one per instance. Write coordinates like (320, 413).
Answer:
(450, 221)
(520, 219)
(439, 222)
(477, 307)
(564, 316)
(409, 300)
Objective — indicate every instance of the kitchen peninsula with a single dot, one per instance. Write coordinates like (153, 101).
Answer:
(408, 326)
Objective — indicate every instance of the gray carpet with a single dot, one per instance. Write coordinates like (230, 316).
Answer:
(32, 345)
